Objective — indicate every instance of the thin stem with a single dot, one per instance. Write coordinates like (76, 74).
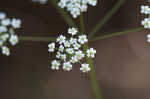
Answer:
(101, 23)
(63, 13)
(94, 81)
(110, 35)
(38, 39)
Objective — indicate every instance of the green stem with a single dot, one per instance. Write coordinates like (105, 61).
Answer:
(94, 81)
(116, 34)
(101, 23)
(38, 39)
(63, 13)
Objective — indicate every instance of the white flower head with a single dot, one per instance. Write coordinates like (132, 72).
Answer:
(51, 47)
(5, 51)
(146, 23)
(85, 68)
(67, 66)
(82, 39)
(91, 52)
(69, 50)
(7, 32)
(75, 7)
(55, 65)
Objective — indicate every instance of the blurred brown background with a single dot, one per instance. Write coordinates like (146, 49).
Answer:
(122, 63)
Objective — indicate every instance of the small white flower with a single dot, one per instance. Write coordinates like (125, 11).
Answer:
(13, 39)
(70, 51)
(83, 8)
(73, 40)
(4, 37)
(61, 48)
(75, 12)
(55, 65)
(79, 54)
(76, 46)
(51, 47)
(16, 23)
(146, 23)
(61, 39)
(82, 39)
(67, 66)
(63, 57)
(3, 29)
(58, 55)
(67, 44)
(5, 22)
(145, 9)
(92, 2)
(2, 15)
(91, 52)
(72, 31)
(5, 51)
(85, 68)
(74, 59)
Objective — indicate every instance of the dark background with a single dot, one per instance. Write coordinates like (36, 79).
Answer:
(122, 63)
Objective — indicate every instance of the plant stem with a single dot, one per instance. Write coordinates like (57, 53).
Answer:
(116, 34)
(63, 13)
(94, 81)
(101, 23)
(38, 39)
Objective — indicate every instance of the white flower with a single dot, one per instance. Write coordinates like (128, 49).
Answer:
(91, 52)
(92, 2)
(2, 15)
(70, 50)
(67, 44)
(58, 55)
(83, 8)
(4, 37)
(79, 55)
(76, 46)
(55, 65)
(5, 22)
(146, 23)
(16, 23)
(74, 59)
(63, 57)
(73, 40)
(61, 39)
(72, 31)
(82, 39)
(3, 29)
(145, 9)
(13, 39)
(61, 48)
(85, 68)
(5, 51)
(75, 12)
(51, 47)
(67, 66)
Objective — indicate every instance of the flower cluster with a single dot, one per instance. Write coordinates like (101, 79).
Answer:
(69, 51)
(40, 1)
(7, 32)
(75, 7)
